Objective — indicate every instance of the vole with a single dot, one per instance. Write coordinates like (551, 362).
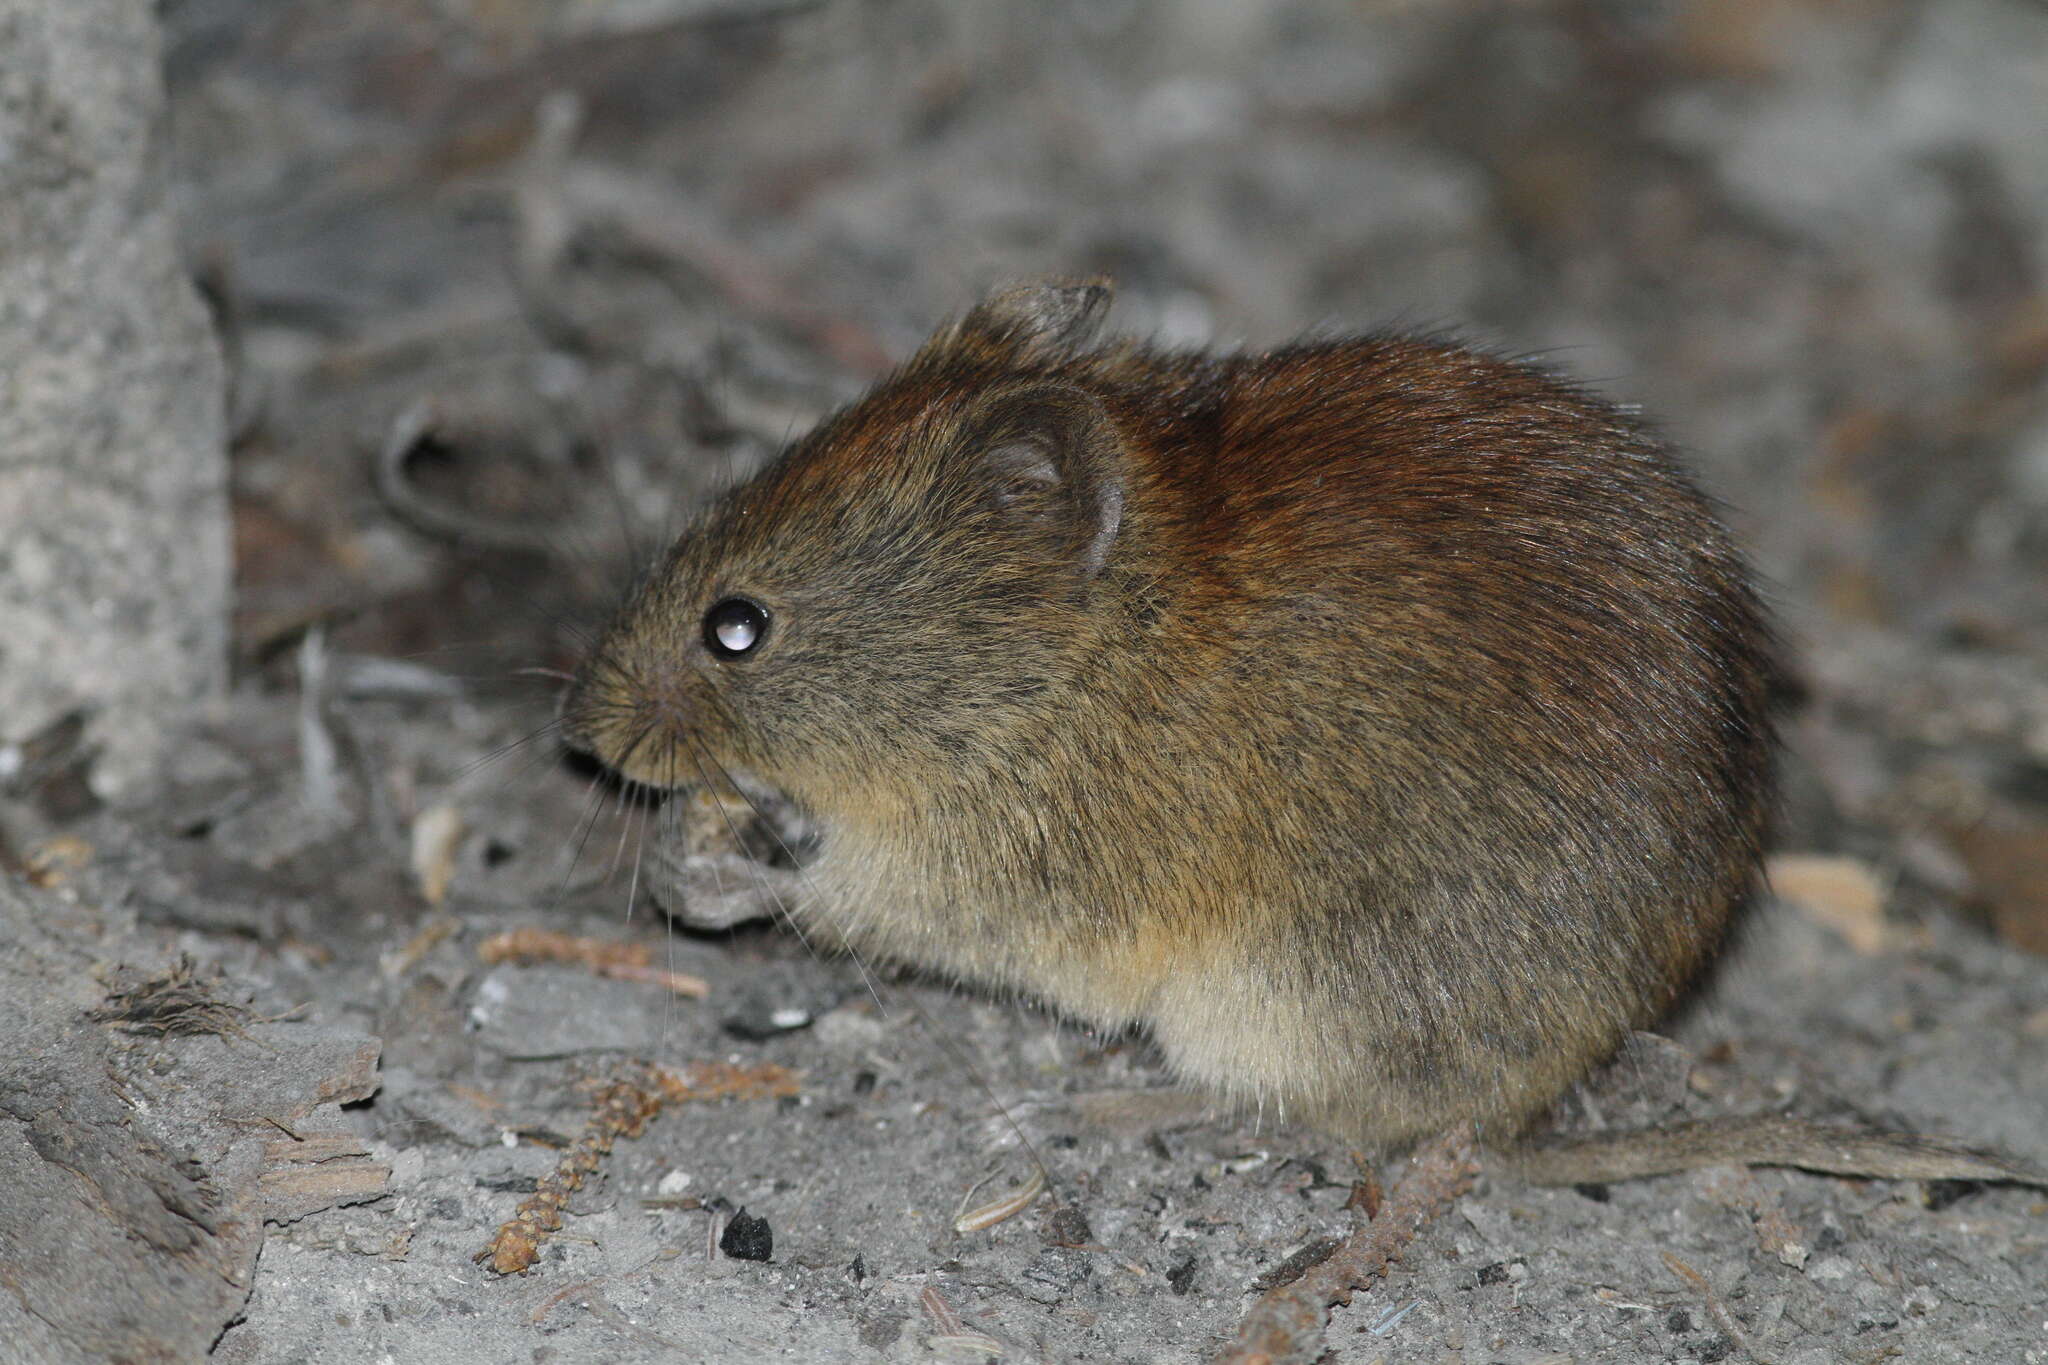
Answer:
(1383, 726)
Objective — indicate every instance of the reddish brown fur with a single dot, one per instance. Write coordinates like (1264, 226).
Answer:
(1381, 724)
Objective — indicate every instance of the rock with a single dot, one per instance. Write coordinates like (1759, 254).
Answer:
(142, 1148)
(114, 556)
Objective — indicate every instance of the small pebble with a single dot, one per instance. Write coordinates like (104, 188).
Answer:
(1068, 1227)
(747, 1238)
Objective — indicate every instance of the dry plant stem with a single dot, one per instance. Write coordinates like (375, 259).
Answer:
(621, 961)
(525, 947)
(940, 1312)
(625, 1106)
(1761, 1140)
(1285, 1327)
(675, 983)
(1001, 1210)
(178, 1001)
(1718, 1310)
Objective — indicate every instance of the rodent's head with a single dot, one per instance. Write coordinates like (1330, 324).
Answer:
(906, 586)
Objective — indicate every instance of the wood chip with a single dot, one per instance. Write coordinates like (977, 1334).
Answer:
(2008, 860)
(1845, 894)
(436, 835)
(318, 1169)
(291, 1192)
(1777, 1235)
(430, 935)
(51, 862)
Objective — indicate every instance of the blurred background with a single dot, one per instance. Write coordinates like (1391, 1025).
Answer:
(622, 250)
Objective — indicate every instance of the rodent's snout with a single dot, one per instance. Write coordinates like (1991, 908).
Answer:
(637, 728)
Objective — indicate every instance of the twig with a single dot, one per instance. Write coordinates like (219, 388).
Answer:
(620, 961)
(1285, 1327)
(675, 983)
(415, 424)
(625, 1106)
(1722, 1317)
(670, 227)
(319, 755)
(940, 1312)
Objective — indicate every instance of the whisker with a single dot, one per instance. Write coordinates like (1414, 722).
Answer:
(619, 852)
(595, 805)
(965, 1063)
(646, 813)
(505, 750)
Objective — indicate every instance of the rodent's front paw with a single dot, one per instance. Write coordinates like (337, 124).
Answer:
(717, 890)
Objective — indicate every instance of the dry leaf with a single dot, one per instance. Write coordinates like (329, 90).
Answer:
(1842, 893)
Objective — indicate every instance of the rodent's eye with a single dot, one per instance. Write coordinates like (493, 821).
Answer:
(734, 627)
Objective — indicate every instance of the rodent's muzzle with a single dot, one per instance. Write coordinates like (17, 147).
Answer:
(639, 732)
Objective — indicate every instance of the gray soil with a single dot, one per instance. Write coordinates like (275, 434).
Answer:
(625, 249)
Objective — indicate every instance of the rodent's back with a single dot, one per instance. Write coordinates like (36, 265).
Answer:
(1381, 724)
(1502, 680)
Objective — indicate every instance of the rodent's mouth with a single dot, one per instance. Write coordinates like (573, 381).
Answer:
(652, 757)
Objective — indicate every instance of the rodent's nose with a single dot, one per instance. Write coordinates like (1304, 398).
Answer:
(630, 720)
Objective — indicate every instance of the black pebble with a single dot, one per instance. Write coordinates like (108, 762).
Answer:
(747, 1238)
(1068, 1227)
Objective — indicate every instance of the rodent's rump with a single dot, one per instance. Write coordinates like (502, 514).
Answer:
(1381, 724)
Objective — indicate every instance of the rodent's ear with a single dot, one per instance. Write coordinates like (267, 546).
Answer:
(1037, 321)
(1050, 456)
